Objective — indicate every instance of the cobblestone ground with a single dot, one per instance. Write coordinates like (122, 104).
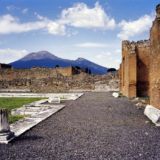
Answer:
(95, 126)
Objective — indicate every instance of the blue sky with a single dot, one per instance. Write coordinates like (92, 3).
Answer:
(69, 29)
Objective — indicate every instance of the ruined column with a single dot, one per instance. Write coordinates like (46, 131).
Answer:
(5, 133)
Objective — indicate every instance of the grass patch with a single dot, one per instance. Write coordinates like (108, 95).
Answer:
(145, 98)
(62, 98)
(12, 103)
(105, 133)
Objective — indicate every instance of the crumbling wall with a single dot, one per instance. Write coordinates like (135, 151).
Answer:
(128, 78)
(33, 73)
(65, 71)
(155, 61)
(134, 69)
(59, 83)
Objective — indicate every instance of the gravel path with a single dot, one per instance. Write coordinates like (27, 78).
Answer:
(95, 126)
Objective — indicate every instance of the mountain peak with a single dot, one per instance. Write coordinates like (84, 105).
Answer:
(39, 55)
(80, 59)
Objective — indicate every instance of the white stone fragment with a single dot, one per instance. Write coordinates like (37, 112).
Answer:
(54, 100)
(153, 114)
(116, 95)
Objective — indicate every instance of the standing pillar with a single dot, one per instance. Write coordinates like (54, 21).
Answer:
(5, 133)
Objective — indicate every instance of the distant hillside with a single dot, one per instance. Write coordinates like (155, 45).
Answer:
(48, 60)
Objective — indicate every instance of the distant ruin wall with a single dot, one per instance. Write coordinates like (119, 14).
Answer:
(35, 72)
(60, 83)
(67, 71)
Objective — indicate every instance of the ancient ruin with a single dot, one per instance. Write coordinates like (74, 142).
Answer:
(140, 67)
(59, 79)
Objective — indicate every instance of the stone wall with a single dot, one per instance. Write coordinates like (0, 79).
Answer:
(35, 72)
(128, 66)
(140, 74)
(134, 69)
(59, 83)
(67, 71)
(155, 61)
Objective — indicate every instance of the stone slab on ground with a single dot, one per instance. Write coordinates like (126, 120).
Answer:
(96, 90)
(27, 123)
(15, 90)
(153, 114)
(67, 96)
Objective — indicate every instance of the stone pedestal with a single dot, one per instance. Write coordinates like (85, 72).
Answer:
(5, 133)
(54, 100)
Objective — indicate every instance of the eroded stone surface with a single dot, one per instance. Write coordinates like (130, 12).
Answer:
(54, 100)
(153, 114)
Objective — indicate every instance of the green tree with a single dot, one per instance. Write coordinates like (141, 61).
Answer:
(111, 70)
(86, 70)
(57, 66)
(77, 67)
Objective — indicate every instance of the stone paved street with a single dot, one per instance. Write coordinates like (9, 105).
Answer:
(95, 126)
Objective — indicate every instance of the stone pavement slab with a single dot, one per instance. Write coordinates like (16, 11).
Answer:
(66, 96)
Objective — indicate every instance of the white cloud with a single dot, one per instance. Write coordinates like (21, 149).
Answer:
(110, 58)
(11, 7)
(40, 17)
(79, 52)
(108, 53)
(25, 11)
(68, 35)
(56, 29)
(118, 51)
(137, 27)
(91, 45)
(74, 33)
(82, 16)
(15, 53)
(100, 56)
(9, 55)
(10, 24)
(117, 61)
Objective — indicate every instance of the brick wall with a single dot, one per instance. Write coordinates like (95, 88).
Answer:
(134, 69)
(143, 67)
(155, 61)
(147, 66)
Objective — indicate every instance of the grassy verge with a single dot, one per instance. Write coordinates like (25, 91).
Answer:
(12, 103)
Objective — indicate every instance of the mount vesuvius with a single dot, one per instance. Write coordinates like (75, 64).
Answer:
(48, 60)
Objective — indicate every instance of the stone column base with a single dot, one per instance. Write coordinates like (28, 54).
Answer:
(5, 137)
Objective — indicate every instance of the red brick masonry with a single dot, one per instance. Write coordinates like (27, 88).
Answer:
(140, 67)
